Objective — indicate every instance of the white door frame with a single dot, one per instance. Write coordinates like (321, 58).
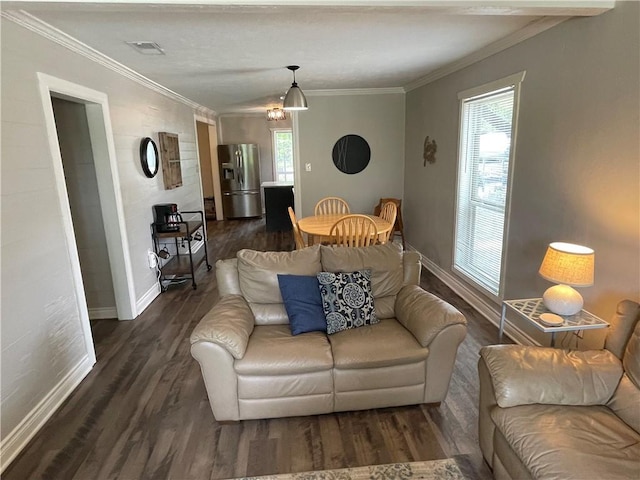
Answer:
(103, 148)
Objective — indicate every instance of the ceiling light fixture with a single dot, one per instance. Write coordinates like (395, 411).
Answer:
(276, 114)
(295, 99)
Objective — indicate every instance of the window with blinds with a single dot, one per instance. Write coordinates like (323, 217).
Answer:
(282, 154)
(487, 133)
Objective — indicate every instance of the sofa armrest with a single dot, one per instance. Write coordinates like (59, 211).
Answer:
(523, 375)
(229, 324)
(424, 314)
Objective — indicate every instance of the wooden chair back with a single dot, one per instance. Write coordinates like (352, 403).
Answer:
(331, 205)
(297, 235)
(389, 213)
(354, 231)
(398, 226)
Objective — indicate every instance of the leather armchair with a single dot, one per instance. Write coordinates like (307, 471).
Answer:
(560, 414)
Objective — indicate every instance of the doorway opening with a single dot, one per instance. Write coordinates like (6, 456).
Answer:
(84, 165)
(84, 202)
(207, 139)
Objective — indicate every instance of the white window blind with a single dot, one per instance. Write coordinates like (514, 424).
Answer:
(283, 155)
(486, 137)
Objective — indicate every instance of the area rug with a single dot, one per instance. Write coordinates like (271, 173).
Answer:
(433, 470)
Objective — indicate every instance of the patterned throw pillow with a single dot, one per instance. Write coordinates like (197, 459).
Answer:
(346, 300)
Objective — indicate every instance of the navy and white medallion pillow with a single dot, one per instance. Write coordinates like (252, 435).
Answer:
(346, 300)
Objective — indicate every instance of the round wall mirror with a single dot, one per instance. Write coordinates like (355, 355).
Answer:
(351, 154)
(149, 157)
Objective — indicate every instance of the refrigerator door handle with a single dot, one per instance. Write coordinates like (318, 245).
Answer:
(241, 165)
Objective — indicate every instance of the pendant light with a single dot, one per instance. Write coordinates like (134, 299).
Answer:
(295, 99)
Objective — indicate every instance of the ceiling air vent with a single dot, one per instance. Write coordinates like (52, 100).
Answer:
(146, 48)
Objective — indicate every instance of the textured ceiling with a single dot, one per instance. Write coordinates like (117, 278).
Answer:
(232, 58)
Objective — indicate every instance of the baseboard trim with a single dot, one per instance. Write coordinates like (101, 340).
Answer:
(20, 436)
(147, 298)
(488, 311)
(155, 290)
(102, 313)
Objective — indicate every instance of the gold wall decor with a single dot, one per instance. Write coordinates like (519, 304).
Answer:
(170, 155)
(430, 149)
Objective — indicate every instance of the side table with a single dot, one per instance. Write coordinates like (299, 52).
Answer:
(531, 308)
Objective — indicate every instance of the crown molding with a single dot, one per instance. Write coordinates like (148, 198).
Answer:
(246, 113)
(30, 22)
(354, 91)
(446, 7)
(532, 29)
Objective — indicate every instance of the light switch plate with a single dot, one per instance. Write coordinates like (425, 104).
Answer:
(307, 167)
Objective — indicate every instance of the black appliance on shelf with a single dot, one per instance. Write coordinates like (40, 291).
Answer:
(166, 217)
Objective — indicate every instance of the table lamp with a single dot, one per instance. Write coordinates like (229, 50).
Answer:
(569, 266)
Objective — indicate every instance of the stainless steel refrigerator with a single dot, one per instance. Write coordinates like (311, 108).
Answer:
(240, 180)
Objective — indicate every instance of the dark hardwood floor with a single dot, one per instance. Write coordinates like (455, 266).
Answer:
(143, 411)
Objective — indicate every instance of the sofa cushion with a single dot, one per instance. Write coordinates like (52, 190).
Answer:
(272, 350)
(302, 300)
(346, 300)
(625, 403)
(384, 261)
(569, 377)
(631, 359)
(258, 271)
(622, 324)
(384, 344)
(570, 442)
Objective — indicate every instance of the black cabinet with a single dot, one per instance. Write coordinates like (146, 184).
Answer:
(276, 201)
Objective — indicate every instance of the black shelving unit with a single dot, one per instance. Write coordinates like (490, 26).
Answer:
(181, 266)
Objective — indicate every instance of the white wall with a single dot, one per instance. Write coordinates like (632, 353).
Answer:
(379, 119)
(576, 171)
(42, 342)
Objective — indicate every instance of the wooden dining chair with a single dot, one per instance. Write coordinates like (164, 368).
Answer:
(354, 231)
(331, 205)
(389, 213)
(297, 235)
(398, 226)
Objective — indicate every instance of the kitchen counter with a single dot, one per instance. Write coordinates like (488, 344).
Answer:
(276, 184)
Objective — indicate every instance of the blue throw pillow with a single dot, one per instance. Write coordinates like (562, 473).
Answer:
(347, 301)
(301, 295)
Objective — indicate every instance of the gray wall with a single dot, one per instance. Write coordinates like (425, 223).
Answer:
(84, 201)
(576, 176)
(379, 119)
(252, 128)
(42, 340)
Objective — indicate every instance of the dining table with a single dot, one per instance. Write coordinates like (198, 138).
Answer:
(319, 226)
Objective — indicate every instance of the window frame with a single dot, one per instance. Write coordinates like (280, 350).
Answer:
(274, 132)
(512, 81)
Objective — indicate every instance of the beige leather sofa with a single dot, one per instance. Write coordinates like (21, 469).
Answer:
(560, 414)
(254, 368)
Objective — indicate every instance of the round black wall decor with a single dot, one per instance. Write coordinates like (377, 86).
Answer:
(351, 154)
(149, 157)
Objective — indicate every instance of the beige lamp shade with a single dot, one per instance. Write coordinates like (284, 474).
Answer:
(568, 264)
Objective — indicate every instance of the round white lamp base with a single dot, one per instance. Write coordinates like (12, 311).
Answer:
(563, 300)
